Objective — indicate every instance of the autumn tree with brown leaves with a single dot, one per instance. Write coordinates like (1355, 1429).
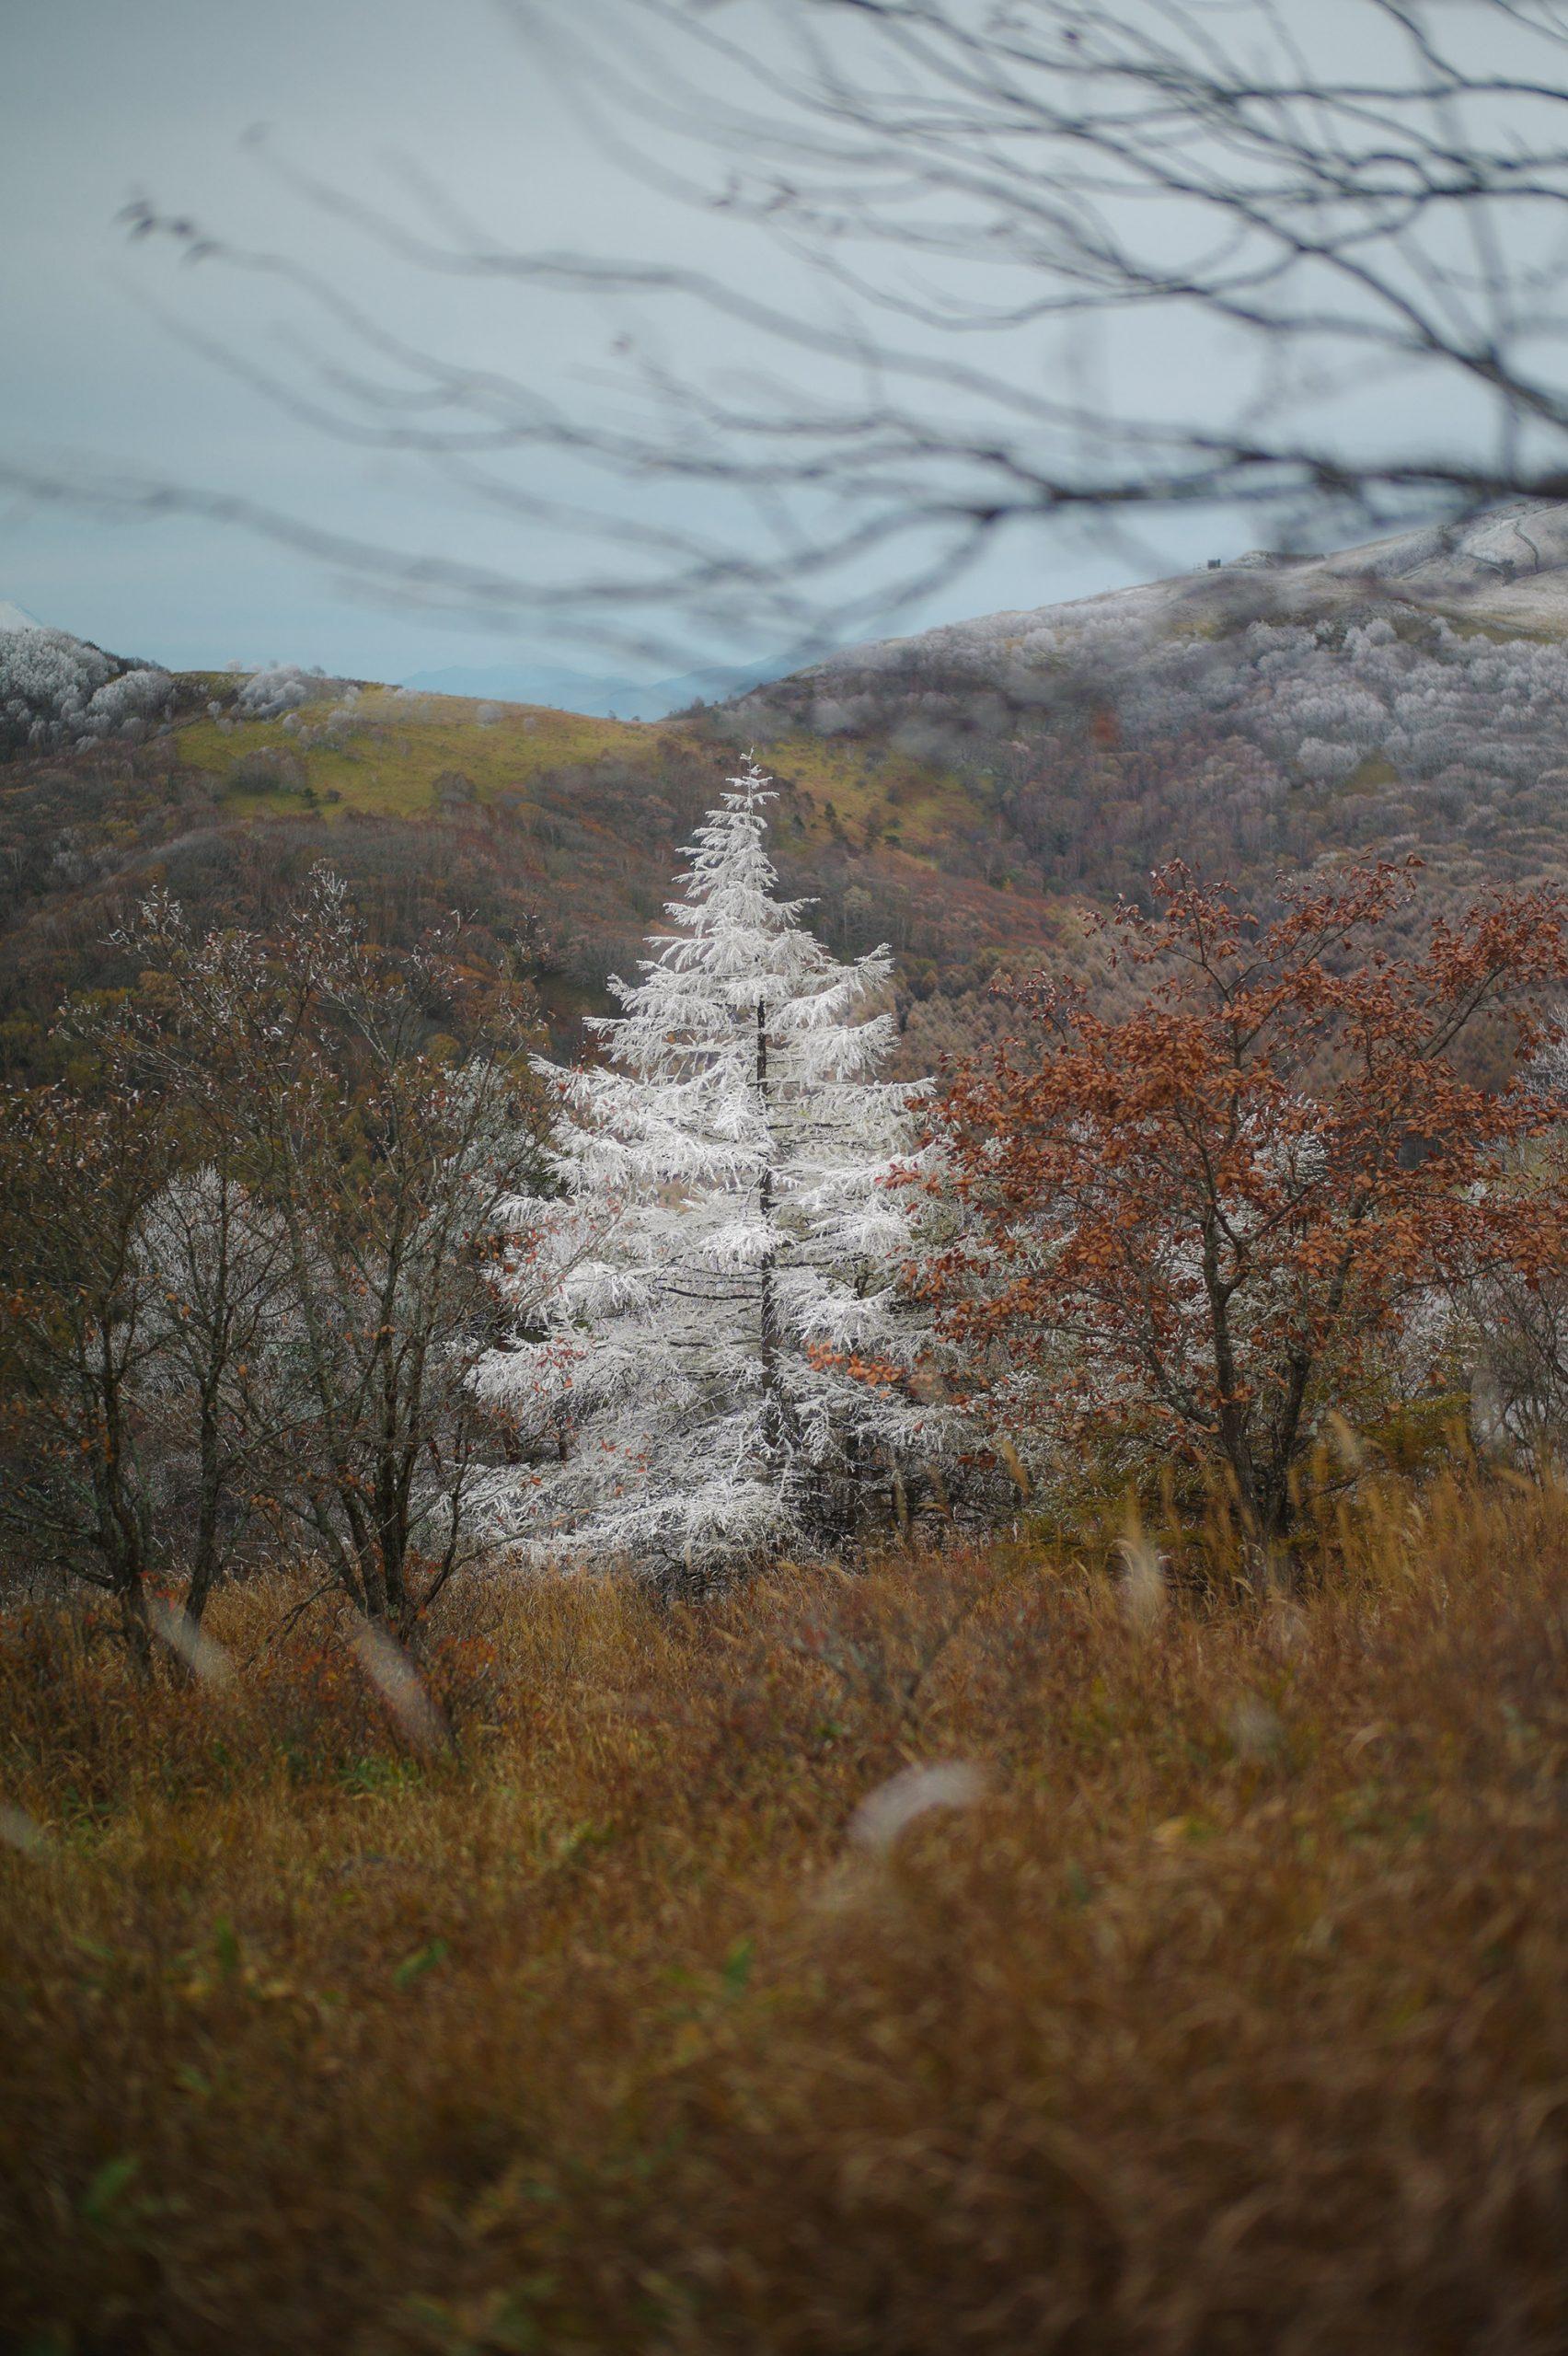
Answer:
(1204, 1220)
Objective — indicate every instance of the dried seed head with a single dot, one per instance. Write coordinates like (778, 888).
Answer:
(202, 1655)
(397, 1682)
(884, 1814)
(18, 1830)
(1143, 1586)
(1256, 1731)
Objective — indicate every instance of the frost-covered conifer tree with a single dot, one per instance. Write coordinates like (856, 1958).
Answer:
(724, 1248)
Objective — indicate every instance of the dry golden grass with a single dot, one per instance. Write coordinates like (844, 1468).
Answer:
(1230, 2015)
(397, 750)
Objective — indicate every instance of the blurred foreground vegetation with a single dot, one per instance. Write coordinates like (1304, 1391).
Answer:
(578, 2001)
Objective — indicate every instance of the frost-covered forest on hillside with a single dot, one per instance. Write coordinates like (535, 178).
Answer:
(56, 690)
(1105, 742)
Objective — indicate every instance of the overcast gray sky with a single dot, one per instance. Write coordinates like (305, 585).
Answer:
(99, 101)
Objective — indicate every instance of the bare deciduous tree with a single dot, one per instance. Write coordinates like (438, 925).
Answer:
(216, 1256)
(379, 1148)
(79, 1329)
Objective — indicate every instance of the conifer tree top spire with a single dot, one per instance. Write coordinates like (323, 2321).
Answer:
(740, 955)
(730, 906)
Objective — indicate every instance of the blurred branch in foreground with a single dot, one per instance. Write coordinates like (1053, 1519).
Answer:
(963, 272)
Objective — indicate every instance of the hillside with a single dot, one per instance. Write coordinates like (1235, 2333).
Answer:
(1408, 695)
(555, 834)
(966, 794)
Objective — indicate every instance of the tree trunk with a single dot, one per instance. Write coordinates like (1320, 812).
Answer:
(1267, 1552)
(772, 1408)
(134, 1625)
(205, 1556)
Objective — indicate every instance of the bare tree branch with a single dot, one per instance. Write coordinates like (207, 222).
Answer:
(986, 224)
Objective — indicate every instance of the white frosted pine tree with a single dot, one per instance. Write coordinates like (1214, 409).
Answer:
(724, 1250)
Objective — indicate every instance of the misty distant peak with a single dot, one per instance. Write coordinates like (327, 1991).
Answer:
(13, 616)
(599, 695)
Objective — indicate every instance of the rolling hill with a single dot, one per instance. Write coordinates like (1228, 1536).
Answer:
(1410, 695)
(555, 833)
(967, 794)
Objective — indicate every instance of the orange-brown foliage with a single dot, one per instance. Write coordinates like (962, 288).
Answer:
(1209, 1212)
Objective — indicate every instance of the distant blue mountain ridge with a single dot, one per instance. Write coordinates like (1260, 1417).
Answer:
(603, 697)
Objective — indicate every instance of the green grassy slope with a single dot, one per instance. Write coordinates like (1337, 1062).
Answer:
(387, 759)
(387, 762)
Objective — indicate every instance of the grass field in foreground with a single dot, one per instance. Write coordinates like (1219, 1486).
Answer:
(1228, 2014)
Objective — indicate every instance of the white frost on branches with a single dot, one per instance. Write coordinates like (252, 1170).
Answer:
(279, 689)
(726, 1249)
(58, 690)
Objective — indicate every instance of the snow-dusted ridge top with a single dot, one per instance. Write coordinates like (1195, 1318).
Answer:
(1508, 568)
